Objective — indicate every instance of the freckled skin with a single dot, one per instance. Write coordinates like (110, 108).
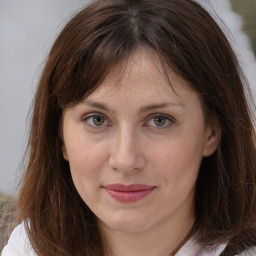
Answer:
(130, 146)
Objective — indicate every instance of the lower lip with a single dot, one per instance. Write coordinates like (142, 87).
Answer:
(129, 196)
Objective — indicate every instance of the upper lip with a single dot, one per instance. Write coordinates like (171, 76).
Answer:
(126, 188)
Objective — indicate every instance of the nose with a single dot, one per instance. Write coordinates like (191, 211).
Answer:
(127, 152)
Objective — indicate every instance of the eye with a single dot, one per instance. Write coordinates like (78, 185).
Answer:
(96, 120)
(160, 120)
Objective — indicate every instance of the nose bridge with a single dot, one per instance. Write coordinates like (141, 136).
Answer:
(126, 153)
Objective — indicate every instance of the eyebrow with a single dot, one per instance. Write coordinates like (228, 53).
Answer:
(157, 106)
(98, 105)
(144, 109)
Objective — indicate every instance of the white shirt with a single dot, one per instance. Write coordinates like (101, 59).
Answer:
(19, 245)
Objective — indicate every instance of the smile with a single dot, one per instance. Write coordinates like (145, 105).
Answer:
(128, 193)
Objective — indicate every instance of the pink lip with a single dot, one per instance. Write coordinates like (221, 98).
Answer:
(128, 193)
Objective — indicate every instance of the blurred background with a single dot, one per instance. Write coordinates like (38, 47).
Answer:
(27, 30)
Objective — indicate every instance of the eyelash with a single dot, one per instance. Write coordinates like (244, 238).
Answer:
(90, 118)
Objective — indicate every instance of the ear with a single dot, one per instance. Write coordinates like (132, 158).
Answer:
(212, 138)
(64, 152)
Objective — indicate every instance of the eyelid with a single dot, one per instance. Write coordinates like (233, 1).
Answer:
(90, 114)
(161, 115)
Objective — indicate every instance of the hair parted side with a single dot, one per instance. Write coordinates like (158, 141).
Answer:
(101, 36)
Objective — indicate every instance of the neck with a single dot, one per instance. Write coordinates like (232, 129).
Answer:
(161, 240)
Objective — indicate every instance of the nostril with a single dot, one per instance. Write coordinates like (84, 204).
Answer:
(127, 163)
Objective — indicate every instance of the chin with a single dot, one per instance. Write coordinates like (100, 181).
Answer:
(124, 224)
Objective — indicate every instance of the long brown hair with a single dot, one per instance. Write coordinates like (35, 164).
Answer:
(101, 36)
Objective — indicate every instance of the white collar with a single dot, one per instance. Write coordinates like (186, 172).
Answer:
(193, 249)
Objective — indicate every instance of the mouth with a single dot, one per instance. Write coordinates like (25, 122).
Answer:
(128, 193)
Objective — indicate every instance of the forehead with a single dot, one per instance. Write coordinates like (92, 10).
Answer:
(143, 73)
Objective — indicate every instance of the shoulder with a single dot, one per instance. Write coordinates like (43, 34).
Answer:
(18, 244)
(249, 252)
(192, 248)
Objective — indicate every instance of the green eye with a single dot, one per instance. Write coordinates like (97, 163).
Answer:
(159, 120)
(98, 120)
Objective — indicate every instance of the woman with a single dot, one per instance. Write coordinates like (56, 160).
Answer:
(142, 141)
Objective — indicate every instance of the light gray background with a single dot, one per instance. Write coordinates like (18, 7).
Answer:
(27, 30)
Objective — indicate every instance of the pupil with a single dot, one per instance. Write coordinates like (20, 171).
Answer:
(98, 120)
(159, 121)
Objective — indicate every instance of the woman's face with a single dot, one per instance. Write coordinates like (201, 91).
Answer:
(135, 146)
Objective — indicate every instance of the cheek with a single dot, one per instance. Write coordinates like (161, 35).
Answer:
(179, 161)
(86, 163)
